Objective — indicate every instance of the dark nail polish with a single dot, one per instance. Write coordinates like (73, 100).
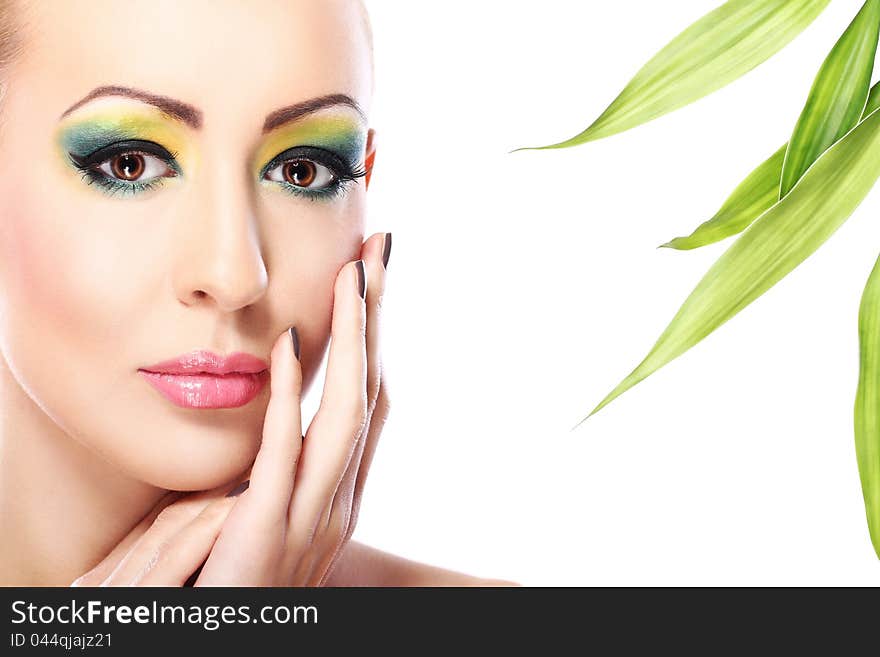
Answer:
(238, 490)
(192, 578)
(362, 278)
(294, 338)
(386, 252)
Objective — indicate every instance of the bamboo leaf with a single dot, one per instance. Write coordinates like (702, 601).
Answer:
(777, 242)
(873, 101)
(720, 47)
(757, 193)
(837, 97)
(867, 406)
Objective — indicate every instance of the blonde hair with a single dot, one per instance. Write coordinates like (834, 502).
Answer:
(11, 40)
(8, 36)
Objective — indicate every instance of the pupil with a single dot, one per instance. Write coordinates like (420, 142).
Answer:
(300, 172)
(129, 166)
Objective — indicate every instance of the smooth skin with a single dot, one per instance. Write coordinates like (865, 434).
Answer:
(102, 480)
(292, 524)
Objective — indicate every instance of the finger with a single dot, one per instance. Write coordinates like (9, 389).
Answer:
(341, 516)
(103, 569)
(336, 428)
(377, 423)
(376, 389)
(175, 560)
(167, 522)
(375, 252)
(274, 470)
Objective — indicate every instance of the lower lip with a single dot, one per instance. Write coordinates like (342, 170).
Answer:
(207, 390)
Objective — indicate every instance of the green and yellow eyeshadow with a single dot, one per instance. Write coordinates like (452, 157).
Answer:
(85, 134)
(333, 139)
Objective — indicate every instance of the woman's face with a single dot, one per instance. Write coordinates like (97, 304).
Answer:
(199, 237)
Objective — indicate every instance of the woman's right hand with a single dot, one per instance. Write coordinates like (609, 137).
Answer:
(303, 503)
(182, 528)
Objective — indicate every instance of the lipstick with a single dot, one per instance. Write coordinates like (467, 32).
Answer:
(203, 379)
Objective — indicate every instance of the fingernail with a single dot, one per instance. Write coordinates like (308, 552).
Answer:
(192, 578)
(386, 252)
(238, 490)
(362, 278)
(294, 338)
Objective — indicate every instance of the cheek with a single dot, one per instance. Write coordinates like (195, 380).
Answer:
(319, 247)
(63, 302)
(311, 244)
(34, 284)
(61, 279)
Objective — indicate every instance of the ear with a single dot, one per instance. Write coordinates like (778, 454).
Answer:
(371, 155)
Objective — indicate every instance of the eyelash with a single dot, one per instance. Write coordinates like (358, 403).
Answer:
(343, 174)
(89, 166)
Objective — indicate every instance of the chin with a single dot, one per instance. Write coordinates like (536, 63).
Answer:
(190, 459)
(173, 448)
(190, 449)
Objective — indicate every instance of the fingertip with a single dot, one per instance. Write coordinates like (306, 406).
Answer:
(349, 303)
(376, 250)
(361, 272)
(294, 340)
(238, 490)
(386, 250)
(346, 280)
(285, 366)
(373, 244)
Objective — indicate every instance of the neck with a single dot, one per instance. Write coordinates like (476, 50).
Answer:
(63, 507)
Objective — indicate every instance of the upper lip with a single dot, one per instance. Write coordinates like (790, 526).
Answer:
(210, 363)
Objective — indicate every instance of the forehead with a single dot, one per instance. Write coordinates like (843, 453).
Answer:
(231, 58)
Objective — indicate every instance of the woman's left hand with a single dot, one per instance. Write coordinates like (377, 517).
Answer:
(290, 525)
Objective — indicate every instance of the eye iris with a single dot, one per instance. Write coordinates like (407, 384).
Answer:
(129, 166)
(300, 172)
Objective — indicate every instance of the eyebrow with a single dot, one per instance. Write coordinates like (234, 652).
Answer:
(192, 116)
(178, 109)
(298, 110)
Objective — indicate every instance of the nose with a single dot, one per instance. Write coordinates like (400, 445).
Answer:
(218, 257)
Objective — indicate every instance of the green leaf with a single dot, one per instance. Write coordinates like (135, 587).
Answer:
(758, 192)
(777, 242)
(873, 101)
(720, 47)
(837, 97)
(867, 406)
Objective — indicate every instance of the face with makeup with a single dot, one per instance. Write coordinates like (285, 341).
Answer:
(175, 176)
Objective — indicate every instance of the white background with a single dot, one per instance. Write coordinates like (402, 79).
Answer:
(522, 287)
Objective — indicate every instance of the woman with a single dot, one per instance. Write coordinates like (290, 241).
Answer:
(182, 196)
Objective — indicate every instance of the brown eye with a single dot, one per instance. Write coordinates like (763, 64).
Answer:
(128, 166)
(136, 167)
(300, 172)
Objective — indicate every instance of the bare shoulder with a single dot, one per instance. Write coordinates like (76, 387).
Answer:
(362, 565)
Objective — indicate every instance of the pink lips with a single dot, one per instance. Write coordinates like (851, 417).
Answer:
(203, 379)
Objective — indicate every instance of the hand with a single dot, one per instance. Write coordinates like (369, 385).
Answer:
(289, 524)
